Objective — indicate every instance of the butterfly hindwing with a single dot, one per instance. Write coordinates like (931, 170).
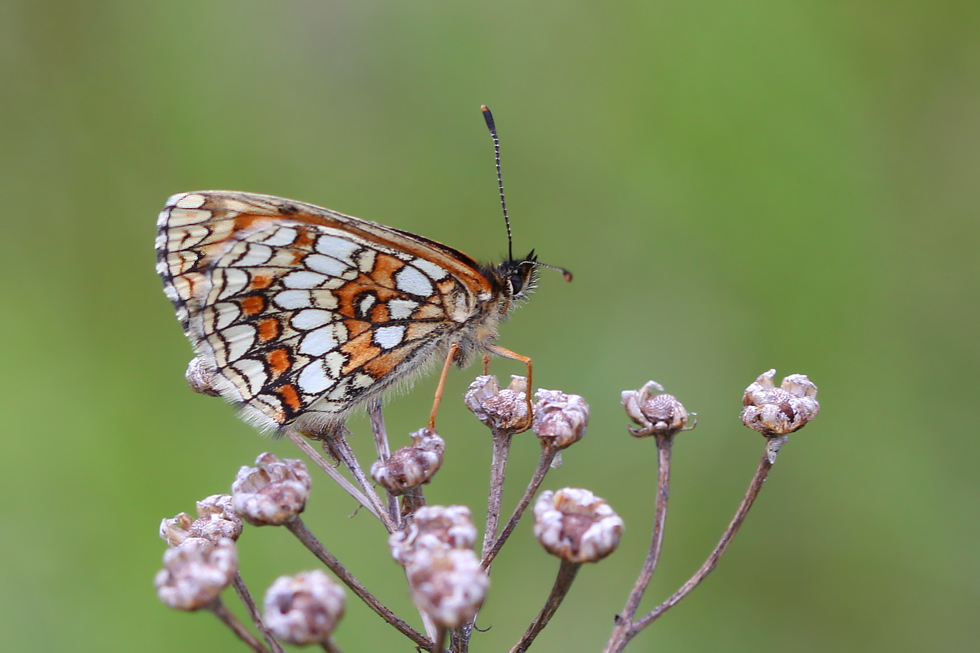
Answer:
(298, 310)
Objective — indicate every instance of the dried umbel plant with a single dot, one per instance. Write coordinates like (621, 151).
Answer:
(303, 609)
(410, 467)
(433, 546)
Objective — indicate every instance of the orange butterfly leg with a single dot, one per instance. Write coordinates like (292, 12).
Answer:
(453, 350)
(506, 353)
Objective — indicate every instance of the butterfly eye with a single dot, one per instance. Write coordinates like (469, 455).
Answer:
(516, 284)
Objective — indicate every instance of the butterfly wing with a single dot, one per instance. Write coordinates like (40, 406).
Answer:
(299, 311)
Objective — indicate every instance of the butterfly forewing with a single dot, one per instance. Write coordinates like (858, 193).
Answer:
(297, 311)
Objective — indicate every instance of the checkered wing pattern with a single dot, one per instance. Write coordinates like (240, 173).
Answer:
(295, 310)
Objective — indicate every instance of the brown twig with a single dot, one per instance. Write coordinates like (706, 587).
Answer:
(331, 471)
(338, 447)
(625, 619)
(498, 472)
(548, 454)
(253, 612)
(330, 646)
(220, 610)
(384, 453)
(566, 575)
(297, 528)
(761, 474)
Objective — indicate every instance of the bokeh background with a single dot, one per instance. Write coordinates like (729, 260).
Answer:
(736, 185)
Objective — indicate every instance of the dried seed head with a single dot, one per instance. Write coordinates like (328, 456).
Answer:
(303, 609)
(449, 585)
(777, 411)
(201, 378)
(215, 519)
(195, 572)
(576, 525)
(560, 419)
(501, 410)
(273, 492)
(433, 528)
(411, 466)
(656, 412)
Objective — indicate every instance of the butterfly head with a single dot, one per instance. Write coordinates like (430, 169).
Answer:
(517, 277)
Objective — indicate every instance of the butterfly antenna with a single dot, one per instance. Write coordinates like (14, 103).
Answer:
(565, 273)
(500, 180)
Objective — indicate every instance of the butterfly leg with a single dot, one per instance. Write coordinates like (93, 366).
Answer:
(506, 353)
(453, 350)
(486, 364)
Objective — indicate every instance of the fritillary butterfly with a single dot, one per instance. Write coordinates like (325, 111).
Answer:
(298, 314)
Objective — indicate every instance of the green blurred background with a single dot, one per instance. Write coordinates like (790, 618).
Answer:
(736, 185)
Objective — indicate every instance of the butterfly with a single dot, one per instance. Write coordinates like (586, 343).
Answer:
(299, 314)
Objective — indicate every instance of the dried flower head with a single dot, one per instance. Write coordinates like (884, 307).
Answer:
(433, 528)
(447, 584)
(273, 492)
(501, 410)
(216, 518)
(201, 378)
(195, 572)
(411, 466)
(576, 525)
(560, 419)
(777, 411)
(656, 412)
(303, 609)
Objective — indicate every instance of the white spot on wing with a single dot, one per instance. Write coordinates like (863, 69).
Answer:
(182, 217)
(326, 265)
(281, 237)
(334, 362)
(319, 342)
(401, 309)
(366, 304)
(338, 247)
(186, 201)
(365, 261)
(234, 281)
(324, 299)
(225, 313)
(303, 279)
(411, 280)
(239, 340)
(310, 319)
(254, 373)
(184, 237)
(431, 269)
(389, 337)
(363, 381)
(313, 379)
(256, 255)
(292, 299)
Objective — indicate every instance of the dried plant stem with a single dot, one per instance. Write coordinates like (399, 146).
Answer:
(624, 620)
(412, 500)
(331, 471)
(761, 474)
(566, 574)
(227, 618)
(498, 473)
(330, 646)
(246, 597)
(440, 640)
(384, 453)
(298, 528)
(338, 447)
(548, 454)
